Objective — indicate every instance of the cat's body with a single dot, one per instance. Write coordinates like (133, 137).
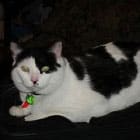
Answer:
(105, 79)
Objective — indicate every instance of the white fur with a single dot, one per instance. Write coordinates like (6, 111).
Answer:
(63, 94)
(115, 52)
(127, 96)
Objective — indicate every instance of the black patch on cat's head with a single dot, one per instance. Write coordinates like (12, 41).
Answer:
(43, 57)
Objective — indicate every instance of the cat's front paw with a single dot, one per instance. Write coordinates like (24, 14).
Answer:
(34, 117)
(16, 111)
(29, 118)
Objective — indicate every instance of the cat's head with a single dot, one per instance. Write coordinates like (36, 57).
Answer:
(38, 70)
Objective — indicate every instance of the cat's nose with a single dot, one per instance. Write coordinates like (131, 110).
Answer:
(34, 80)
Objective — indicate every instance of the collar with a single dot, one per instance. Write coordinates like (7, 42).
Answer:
(33, 93)
(30, 99)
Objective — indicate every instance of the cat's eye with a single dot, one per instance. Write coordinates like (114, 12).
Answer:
(45, 69)
(25, 68)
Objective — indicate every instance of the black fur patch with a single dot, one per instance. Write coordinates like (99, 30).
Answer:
(42, 58)
(108, 76)
(77, 67)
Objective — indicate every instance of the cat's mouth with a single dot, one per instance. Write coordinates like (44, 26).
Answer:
(35, 88)
(31, 89)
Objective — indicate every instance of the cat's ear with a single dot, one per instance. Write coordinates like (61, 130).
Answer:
(15, 50)
(57, 49)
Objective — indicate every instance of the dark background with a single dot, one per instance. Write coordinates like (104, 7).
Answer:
(80, 23)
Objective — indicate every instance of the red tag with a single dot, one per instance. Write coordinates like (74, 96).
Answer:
(25, 104)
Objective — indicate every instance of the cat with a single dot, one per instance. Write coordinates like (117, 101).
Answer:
(104, 79)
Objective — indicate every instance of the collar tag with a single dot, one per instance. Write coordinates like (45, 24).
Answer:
(29, 101)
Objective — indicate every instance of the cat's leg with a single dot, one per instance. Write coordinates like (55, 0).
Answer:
(33, 117)
(19, 111)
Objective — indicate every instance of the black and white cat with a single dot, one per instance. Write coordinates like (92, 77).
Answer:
(104, 79)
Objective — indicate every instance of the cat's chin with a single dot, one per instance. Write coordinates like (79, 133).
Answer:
(30, 87)
(36, 90)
